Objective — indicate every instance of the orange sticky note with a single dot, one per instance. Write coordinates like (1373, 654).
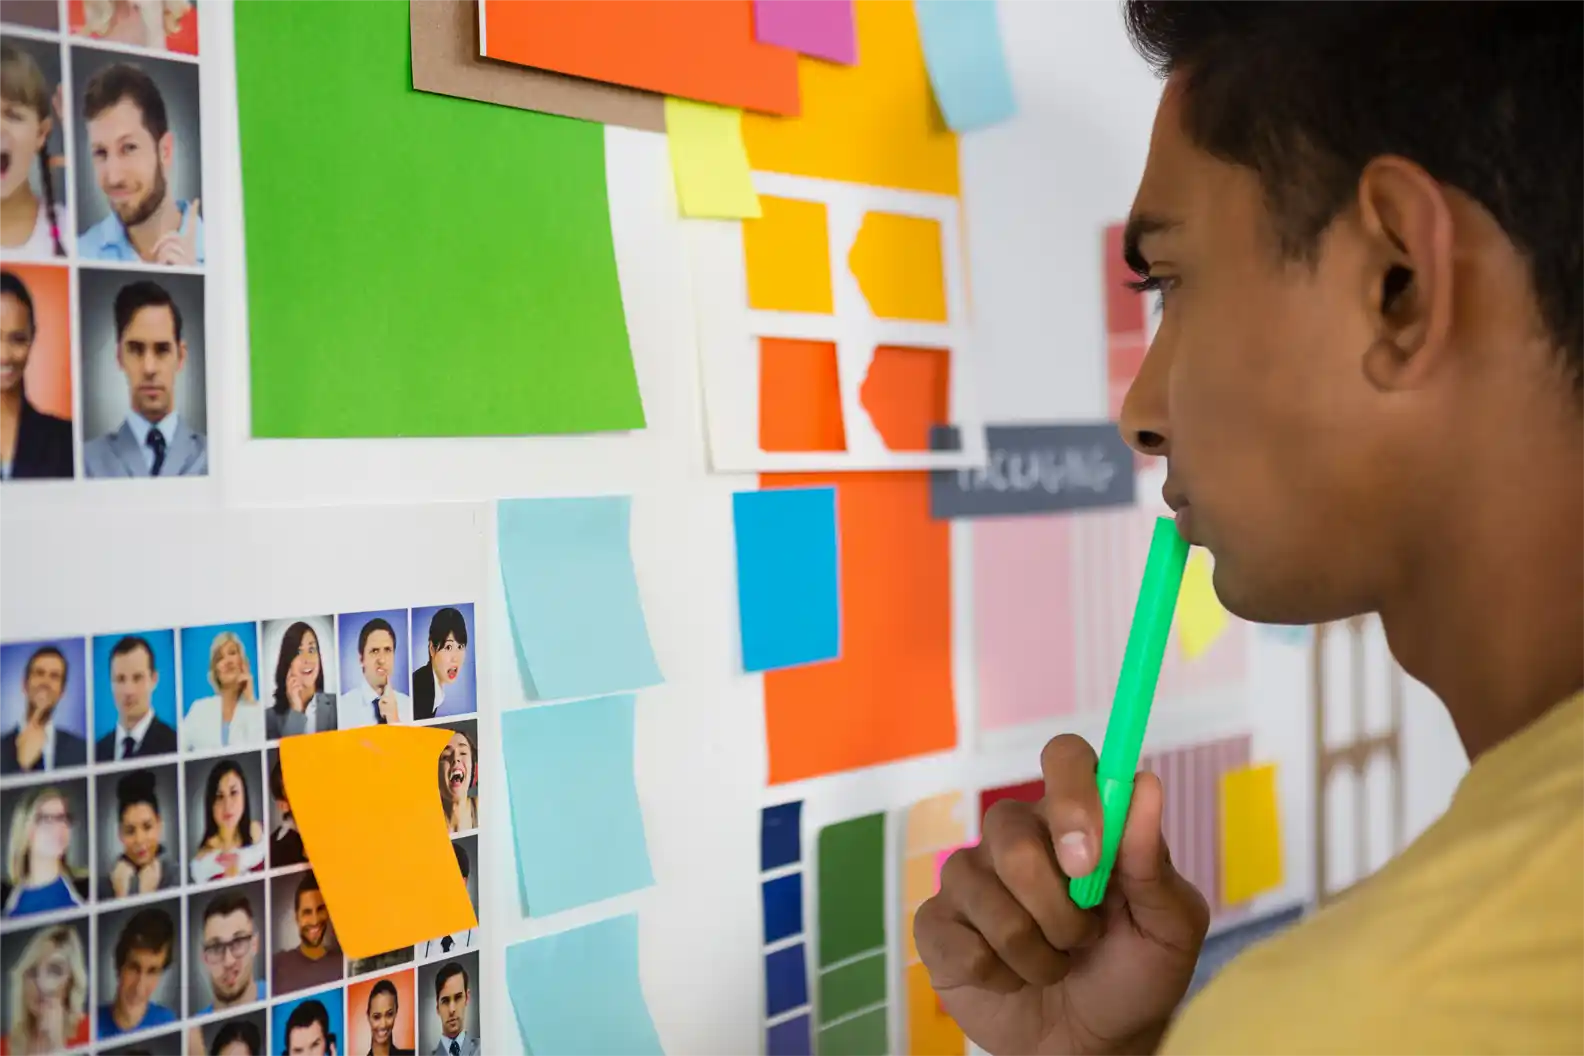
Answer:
(367, 803)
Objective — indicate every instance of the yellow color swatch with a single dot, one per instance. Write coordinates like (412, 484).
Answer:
(350, 791)
(936, 823)
(1200, 617)
(787, 255)
(708, 160)
(875, 122)
(930, 1031)
(897, 262)
(1251, 844)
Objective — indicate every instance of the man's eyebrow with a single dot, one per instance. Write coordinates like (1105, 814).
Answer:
(1139, 225)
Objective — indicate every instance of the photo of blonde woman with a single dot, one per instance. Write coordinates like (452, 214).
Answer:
(39, 879)
(46, 992)
(231, 717)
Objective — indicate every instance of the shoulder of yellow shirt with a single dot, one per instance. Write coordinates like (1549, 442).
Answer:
(1471, 940)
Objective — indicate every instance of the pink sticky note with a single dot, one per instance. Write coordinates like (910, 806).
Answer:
(823, 29)
(1024, 627)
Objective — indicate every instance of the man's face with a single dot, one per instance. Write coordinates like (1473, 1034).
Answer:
(43, 684)
(313, 919)
(16, 341)
(139, 976)
(379, 657)
(151, 357)
(132, 681)
(452, 1006)
(129, 163)
(230, 944)
(308, 1041)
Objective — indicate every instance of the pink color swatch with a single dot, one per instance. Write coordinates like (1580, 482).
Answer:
(822, 29)
(1191, 779)
(1023, 614)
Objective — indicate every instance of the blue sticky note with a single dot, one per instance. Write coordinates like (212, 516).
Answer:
(573, 598)
(790, 1037)
(577, 993)
(786, 980)
(783, 907)
(967, 67)
(574, 804)
(788, 582)
(780, 835)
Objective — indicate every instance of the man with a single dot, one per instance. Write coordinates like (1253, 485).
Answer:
(32, 444)
(142, 954)
(152, 441)
(37, 743)
(138, 731)
(132, 147)
(452, 995)
(316, 959)
(308, 1031)
(229, 949)
(448, 639)
(374, 700)
(1368, 383)
(458, 941)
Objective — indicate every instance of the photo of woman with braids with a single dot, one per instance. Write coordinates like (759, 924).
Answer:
(34, 222)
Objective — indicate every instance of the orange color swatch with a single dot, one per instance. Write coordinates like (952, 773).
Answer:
(875, 122)
(47, 380)
(799, 396)
(905, 393)
(934, 828)
(930, 1031)
(889, 696)
(347, 788)
(898, 263)
(703, 50)
(786, 252)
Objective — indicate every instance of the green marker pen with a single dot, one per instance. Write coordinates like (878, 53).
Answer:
(1135, 692)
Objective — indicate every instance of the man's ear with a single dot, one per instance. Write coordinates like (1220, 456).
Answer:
(181, 354)
(167, 148)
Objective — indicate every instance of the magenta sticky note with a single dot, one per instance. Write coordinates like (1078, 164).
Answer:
(823, 29)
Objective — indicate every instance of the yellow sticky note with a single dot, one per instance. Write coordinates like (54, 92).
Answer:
(367, 803)
(709, 161)
(787, 255)
(1200, 617)
(897, 262)
(1251, 845)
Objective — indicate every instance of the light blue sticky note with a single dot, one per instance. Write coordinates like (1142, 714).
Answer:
(573, 598)
(967, 67)
(788, 581)
(574, 804)
(577, 993)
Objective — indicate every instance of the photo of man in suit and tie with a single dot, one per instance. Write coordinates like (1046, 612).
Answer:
(455, 1018)
(38, 742)
(373, 694)
(138, 731)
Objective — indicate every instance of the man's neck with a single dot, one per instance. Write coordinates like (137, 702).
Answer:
(145, 236)
(128, 725)
(313, 953)
(127, 1017)
(248, 995)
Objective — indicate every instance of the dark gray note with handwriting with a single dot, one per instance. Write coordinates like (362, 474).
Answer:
(1034, 469)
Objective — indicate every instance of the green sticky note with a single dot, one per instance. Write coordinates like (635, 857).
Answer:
(851, 888)
(417, 265)
(863, 1035)
(855, 985)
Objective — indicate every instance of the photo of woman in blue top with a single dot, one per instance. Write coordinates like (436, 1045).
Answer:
(38, 878)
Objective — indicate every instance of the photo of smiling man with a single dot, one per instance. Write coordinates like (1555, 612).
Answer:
(306, 952)
(374, 669)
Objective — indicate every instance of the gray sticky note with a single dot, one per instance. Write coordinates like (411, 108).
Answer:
(1035, 469)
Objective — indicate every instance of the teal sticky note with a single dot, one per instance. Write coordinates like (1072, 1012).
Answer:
(967, 67)
(574, 804)
(577, 993)
(573, 596)
(788, 580)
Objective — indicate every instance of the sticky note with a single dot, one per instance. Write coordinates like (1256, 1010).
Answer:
(851, 902)
(569, 776)
(577, 993)
(573, 596)
(967, 67)
(800, 404)
(907, 393)
(708, 160)
(1251, 844)
(1200, 617)
(350, 789)
(787, 256)
(788, 582)
(897, 262)
(823, 30)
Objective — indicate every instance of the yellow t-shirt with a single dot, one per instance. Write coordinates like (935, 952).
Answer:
(1470, 941)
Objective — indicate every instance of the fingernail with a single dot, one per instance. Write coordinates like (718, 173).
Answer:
(1072, 854)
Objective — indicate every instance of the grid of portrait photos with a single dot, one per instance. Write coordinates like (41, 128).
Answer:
(102, 322)
(156, 895)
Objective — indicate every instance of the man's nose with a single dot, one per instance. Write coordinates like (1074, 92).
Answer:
(1144, 420)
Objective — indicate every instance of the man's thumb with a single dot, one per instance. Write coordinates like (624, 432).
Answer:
(1143, 867)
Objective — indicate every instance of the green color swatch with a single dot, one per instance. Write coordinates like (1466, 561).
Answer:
(857, 984)
(863, 1035)
(417, 265)
(851, 888)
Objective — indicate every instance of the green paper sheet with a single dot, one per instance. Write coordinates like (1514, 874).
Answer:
(417, 265)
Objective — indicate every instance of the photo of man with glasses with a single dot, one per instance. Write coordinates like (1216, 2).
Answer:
(228, 938)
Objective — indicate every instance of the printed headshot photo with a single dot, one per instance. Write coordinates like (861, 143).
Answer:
(300, 653)
(35, 214)
(285, 842)
(158, 1045)
(308, 1026)
(466, 850)
(459, 776)
(144, 409)
(225, 817)
(43, 705)
(237, 1036)
(226, 940)
(35, 372)
(448, 1011)
(444, 685)
(157, 25)
(381, 1017)
(138, 819)
(306, 953)
(139, 968)
(220, 697)
(46, 849)
(380, 961)
(374, 669)
(47, 969)
(134, 713)
(139, 183)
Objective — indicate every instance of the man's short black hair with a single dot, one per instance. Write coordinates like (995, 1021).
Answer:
(136, 296)
(227, 903)
(148, 929)
(1486, 96)
(131, 644)
(121, 81)
(449, 971)
(378, 623)
(48, 650)
(309, 882)
(306, 1015)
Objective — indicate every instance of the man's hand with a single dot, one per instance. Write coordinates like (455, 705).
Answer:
(1021, 968)
(180, 247)
(388, 706)
(29, 745)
